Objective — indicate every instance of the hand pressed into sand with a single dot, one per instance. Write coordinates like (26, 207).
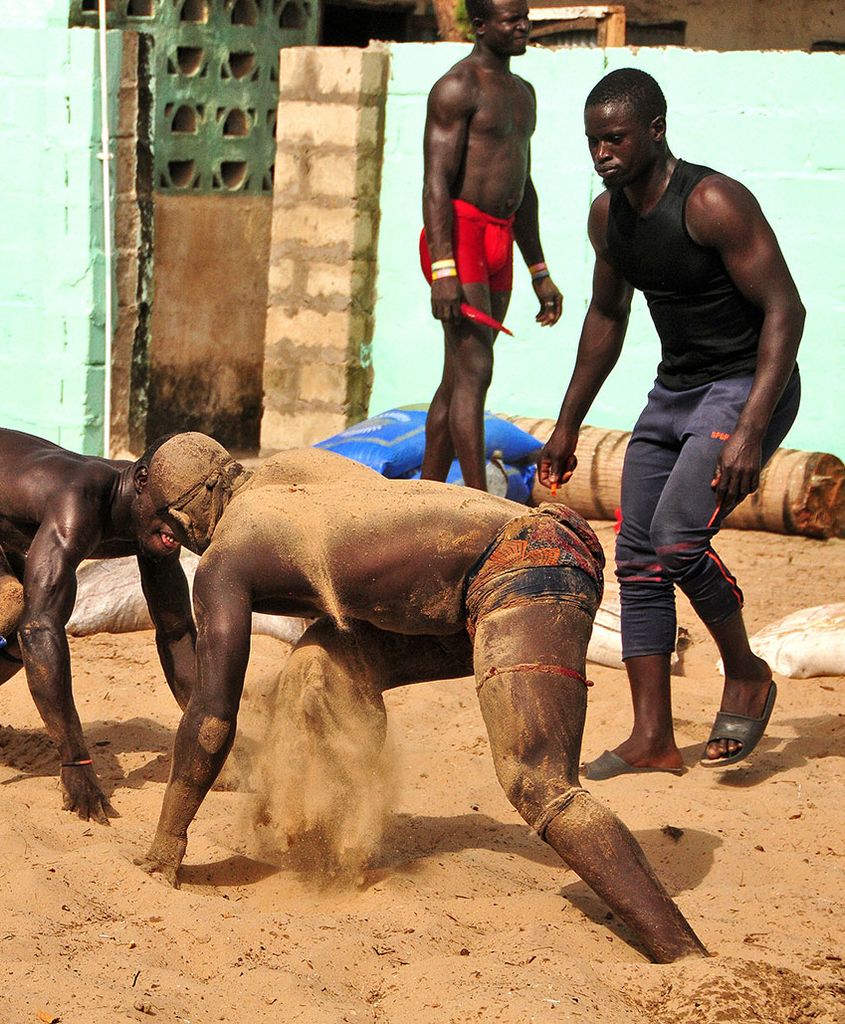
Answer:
(81, 793)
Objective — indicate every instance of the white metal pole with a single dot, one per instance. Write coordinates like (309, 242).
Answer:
(105, 157)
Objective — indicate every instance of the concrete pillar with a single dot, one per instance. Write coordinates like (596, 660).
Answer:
(330, 136)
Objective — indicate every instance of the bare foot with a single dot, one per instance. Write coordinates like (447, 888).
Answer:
(153, 866)
(163, 858)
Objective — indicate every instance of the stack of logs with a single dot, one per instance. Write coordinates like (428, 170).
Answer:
(800, 492)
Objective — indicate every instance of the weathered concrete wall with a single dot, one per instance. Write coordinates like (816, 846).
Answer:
(747, 25)
(764, 118)
(128, 234)
(189, 316)
(194, 206)
(317, 370)
(208, 315)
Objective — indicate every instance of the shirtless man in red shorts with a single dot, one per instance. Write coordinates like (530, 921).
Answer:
(478, 198)
(408, 580)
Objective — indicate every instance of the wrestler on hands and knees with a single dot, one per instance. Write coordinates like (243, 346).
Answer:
(509, 596)
(730, 321)
(56, 509)
(478, 197)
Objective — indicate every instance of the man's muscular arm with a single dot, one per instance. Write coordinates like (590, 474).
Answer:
(451, 104)
(166, 590)
(68, 533)
(207, 730)
(599, 347)
(526, 232)
(722, 214)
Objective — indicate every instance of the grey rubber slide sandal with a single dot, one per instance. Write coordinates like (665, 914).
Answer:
(745, 730)
(608, 765)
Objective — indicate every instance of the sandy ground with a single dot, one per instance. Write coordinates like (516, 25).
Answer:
(462, 914)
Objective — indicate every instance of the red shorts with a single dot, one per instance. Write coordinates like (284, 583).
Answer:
(483, 248)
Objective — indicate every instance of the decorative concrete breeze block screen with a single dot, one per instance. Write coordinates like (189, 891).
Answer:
(215, 84)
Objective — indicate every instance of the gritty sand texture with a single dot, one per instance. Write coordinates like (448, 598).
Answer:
(462, 914)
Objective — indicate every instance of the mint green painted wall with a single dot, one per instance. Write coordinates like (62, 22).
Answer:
(769, 119)
(51, 249)
(33, 13)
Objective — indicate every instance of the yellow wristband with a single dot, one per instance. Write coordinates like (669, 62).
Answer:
(445, 272)
(441, 264)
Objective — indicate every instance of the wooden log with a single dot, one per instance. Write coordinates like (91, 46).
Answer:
(800, 492)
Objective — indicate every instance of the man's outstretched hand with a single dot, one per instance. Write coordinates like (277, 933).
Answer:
(557, 460)
(81, 793)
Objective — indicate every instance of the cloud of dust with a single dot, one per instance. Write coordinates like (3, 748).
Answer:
(323, 779)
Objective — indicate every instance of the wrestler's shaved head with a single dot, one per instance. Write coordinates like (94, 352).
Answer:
(146, 458)
(191, 478)
(631, 88)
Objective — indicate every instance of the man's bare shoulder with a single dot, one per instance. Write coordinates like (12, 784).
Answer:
(719, 208)
(601, 204)
(464, 72)
(30, 452)
(86, 482)
(459, 87)
(283, 489)
(718, 191)
(597, 222)
(40, 476)
(529, 88)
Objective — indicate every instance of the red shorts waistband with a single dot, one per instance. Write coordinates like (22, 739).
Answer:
(469, 212)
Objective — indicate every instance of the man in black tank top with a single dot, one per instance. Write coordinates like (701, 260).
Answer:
(729, 319)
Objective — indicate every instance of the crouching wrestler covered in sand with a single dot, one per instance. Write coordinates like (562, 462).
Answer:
(410, 581)
(57, 508)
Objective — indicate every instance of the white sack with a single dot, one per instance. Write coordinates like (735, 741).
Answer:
(806, 643)
(109, 599)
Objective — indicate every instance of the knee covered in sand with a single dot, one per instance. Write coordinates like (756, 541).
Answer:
(213, 734)
(571, 813)
(538, 795)
(546, 800)
(305, 687)
(326, 682)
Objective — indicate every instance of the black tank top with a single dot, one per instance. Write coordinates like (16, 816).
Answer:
(707, 329)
